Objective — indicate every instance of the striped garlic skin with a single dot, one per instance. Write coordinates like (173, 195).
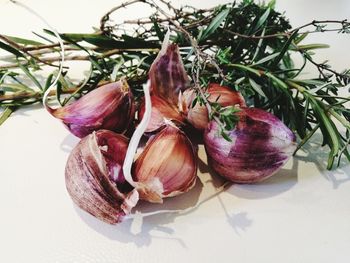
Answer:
(168, 75)
(94, 177)
(167, 166)
(161, 112)
(260, 145)
(109, 107)
(197, 115)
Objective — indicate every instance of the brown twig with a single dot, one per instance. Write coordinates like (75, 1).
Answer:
(84, 57)
(105, 17)
(31, 95)
(31, 48)
(287, 34)
(19, 47)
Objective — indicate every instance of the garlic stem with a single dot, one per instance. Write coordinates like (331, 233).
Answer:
(136, 137)
(61, 62)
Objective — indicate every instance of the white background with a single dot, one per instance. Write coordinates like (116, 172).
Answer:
(300, 215)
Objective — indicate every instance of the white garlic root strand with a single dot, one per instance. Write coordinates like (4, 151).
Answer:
(60, 41)
(136, 137)
(218, 190)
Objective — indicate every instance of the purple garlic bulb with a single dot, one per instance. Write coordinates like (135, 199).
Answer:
(94, 176)
(167, 166)
(168, 75)
(108, 107)
(260, 145)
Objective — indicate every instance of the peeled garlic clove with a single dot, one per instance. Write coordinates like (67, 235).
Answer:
(260, 145)
(161, 112)
(198, 115)
(167, 166)
(167, 74)
(107, 107)
(94, 176)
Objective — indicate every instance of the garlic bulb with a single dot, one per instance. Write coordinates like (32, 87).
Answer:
(167, 74)
(161, 112)
(107, 107)
(260, 145)
(198, 115)
(94, 176)
(167, 166)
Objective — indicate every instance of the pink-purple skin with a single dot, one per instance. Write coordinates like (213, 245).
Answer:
(168, 76)
(108, 107)
(94, 176)
(261, 144)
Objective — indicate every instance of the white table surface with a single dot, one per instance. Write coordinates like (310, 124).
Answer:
(302, 214)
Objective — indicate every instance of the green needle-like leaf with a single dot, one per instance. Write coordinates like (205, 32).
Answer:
(215, 23)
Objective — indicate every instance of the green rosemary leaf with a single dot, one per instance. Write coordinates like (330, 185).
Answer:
(24, 41)
(314, 82)
(215, 23)
(284, 48)
(6, 114)
(310, 47)
(300, 38)
(225, 135)
(10, 49)
(246, 68)
(48, 82)
(257, 88)
(44, 37)
(306, 138)
(13, 87)
(266, 59)
(159, 32)
(262, 20)
(278, 81)
(329, 130)
(272, 4)
(30, 75)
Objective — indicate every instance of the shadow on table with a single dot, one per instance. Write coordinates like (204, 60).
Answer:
(141, 230)
(138, 228)
(281, 182)
(154, 224)
(318, 155)
(69, 142)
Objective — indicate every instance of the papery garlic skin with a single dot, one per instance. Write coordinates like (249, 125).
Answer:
(161, 112)
(168, 75)
(261, 144)
(108, 107)
(198, 115)
(167, 166)
(94, 177)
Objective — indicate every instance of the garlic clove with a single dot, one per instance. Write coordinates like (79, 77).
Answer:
(198, 115)
(167, 74)
(167, 166)
(107, 107)
(260, 145)
(94, 177)
(161, 112)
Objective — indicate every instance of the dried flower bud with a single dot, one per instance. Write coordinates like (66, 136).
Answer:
(260, 145)
(107, 107)
(167, 74)
(198, 114)
(167, 166)
(94, 176)
(161, 112)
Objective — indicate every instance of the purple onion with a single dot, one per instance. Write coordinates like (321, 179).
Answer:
(260, 145)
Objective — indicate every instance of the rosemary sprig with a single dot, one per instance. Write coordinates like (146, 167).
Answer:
(245, 46)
